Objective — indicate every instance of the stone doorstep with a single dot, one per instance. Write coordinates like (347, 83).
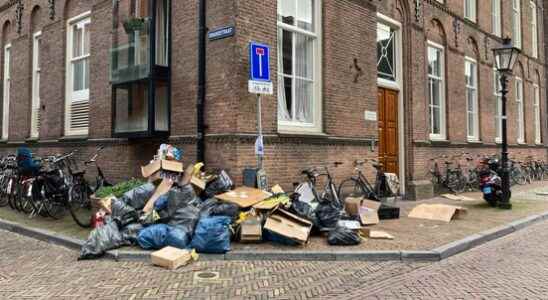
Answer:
(437, 254)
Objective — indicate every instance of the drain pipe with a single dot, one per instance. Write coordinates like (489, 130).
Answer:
(200, 106)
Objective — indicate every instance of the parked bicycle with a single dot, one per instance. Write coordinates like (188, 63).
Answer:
(359, 186)
(451, 178)
(315, 176)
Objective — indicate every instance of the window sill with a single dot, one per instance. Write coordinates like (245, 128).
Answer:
(32, 140)
(73, 138)
(296, 133)
(439, 141)
(474, 141)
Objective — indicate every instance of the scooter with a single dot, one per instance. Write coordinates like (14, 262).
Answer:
(490, 182)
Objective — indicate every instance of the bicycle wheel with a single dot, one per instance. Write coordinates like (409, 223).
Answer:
(4, 200)
(518, 176)
(11, 193)
(351, 187)
(80, 205)
(25, 200)
(456, 183)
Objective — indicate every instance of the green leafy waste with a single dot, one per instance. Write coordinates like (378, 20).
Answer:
(119, 189)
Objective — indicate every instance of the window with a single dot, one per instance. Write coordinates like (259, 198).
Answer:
(497, 88)
(495, 18)
(6, 95)
(78, 54)
(534, 30)
(386, 52)
(516, 23)
(436, 91)
(536, 111)
(520, 115)
(471, 79)
(470, 10)
(35, 108)
(299, 65)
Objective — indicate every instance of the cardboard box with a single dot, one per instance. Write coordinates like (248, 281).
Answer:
(158, 165)
(244, 196)
(162, 189)
(171, 258)
(437, 212)
(251, 230)
(368, 216)
(366, 210)
(289, 225)
(198, 182)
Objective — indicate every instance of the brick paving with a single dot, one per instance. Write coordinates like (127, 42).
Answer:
(515, 267)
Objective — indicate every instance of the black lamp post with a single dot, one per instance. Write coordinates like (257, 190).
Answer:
(505, 57)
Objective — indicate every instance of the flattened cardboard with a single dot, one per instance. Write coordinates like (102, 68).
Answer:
(277, 189)
(371, 204)
(380, 235)
(437, 212)
(369, 216)
(162, 189)
(352, 205)
(251, 230)
(198, 182)
(171, 258)
(244, 196)
(157, 165)
(365, 209)
(289, 225)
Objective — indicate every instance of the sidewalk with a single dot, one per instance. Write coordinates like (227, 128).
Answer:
(410, 234)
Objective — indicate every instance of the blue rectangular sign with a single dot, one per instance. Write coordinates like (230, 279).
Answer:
(259, 61)
(221, 33)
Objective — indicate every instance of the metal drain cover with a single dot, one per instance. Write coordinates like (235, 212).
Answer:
(206, 276)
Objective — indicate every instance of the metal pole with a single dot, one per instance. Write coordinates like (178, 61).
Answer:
(260, 130)
(505, 176)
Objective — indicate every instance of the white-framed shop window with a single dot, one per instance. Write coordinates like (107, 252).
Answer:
(472, 115)
(536, 111)
(516, 23)
(299, 66)
(520, 121)
(470, 10)
(6, 94)
(436, 88)
(497, 88)
(496, 20)
(35, 107)
(78, 75)
(534, 29)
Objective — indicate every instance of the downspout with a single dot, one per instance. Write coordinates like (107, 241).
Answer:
(200, 106)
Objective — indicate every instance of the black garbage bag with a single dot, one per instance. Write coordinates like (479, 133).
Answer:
(131, 232)
(122, 213)
(226, 209)
(102, 239)
(304, 210)
(139, 196)
(179, 197)
(221, 184)
(343, 236)
(186, 218)
(328, 215)
(206, 206)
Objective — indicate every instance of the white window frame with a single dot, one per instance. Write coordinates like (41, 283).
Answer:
(498, 106)
(442, 135)
(35, 106)
(534, 29)
(71, 96)
(472, 133)
(496, 20)
(516, 23)
(520, 136)
(537, 113)
(470, 12)
(6, 93)
(317, 100)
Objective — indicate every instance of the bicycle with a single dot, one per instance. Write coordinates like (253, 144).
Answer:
(453, 179)
(308, 188)
(358, 185)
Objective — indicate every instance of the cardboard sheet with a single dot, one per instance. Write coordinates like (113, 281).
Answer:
(457, 197)
(437, 212)
(289, 225)
(380, 235)
(171, 258)
(244, 197)
(162, 189)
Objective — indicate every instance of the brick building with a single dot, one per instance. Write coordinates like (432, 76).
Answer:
(126, 74)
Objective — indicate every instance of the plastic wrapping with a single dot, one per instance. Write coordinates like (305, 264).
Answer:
(343, 237)
(138, 197)
(131, 232)
(212, 235)
(226, 209)
(102, 239)
(328, 215)
(123, 213)
(153, 237)
(177, 237)
(219, 185)
(185, 218)
(303, 210)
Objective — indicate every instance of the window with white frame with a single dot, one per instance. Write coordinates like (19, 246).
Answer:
(497, 88)
(496, 21)
(516, 23)
(386, 52)
(35, 107)
(436, 89)
(6, 94)
(536, 111)
(472, 117)
(534, 29)
(520, 111)
(299, 65)
(470, 10)
(78, 67)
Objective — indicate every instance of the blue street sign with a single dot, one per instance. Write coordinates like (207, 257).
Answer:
(221, 33)
(259, 61)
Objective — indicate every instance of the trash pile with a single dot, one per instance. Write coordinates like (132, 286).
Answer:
(186, 208)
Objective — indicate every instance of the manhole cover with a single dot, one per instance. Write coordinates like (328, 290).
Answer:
(206, 276)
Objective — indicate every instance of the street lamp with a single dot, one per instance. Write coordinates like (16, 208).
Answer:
(505, 57)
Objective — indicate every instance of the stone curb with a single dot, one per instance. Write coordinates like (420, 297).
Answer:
(436, 254)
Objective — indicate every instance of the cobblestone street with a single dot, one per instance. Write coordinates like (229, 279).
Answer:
(515, 267)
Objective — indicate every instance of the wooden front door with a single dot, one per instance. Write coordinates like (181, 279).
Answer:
(388, 130)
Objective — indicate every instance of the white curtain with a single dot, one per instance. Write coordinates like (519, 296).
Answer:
(303, 82)
(283, 113)
(161, 32)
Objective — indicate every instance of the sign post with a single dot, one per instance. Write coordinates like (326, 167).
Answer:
(259, 84)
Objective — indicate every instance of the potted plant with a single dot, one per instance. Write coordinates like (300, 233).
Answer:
(133, 24)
